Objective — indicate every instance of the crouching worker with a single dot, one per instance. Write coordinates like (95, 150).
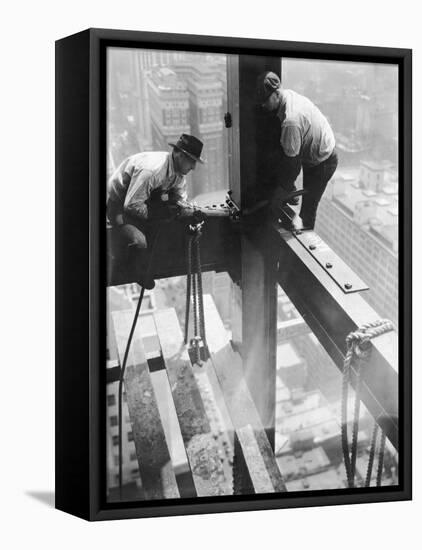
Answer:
(306, 141)
(147, 188)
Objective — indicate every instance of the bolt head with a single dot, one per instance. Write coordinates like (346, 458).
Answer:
(348, 286)
(328, 265)
(312, 247)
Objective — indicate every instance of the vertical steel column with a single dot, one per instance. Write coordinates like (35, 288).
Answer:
(259, 291)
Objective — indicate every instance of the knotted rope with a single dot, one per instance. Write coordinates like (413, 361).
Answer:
(358, 350)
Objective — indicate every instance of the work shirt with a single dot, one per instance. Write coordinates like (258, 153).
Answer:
(305, 131)
(136, 178)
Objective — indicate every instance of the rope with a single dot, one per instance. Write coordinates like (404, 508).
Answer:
(358, 351)
(371, 455)
(381, 459)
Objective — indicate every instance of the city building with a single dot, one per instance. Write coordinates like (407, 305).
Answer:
(168, 100)
(205, 87)
(358, 219)
(129, 127)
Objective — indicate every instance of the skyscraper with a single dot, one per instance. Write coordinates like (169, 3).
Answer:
(168, 100)
(358, 218)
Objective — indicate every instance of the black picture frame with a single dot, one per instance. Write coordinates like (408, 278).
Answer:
(81, 266)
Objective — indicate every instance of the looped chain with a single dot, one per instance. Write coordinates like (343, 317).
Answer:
(194, 288)
(358, 350)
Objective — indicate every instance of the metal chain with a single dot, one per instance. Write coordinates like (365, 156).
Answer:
(194, 291)
(358, 348)
(200, 294)
(188, 286)
(195, 341)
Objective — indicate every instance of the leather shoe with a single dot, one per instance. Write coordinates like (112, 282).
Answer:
(146, 282)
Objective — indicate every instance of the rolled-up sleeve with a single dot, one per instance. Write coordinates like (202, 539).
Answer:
(138, 193)
(291, 140)
(117, 187)
(179, 192)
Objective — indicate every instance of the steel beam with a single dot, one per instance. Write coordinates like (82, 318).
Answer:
(258, 456)
(157, 474)
(204, 459)
(332, 314)
(247, 146)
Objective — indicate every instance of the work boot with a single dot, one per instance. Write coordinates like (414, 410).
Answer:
(308, 223)
(294, 201)
(308, 212)
(146, 281)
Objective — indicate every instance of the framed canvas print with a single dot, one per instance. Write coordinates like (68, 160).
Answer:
(233, 274)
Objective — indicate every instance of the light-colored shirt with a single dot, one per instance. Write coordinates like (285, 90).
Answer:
(304, 129)
(137, 176)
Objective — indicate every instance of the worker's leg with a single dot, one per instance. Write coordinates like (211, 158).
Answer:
(315, 179)
(131, 254)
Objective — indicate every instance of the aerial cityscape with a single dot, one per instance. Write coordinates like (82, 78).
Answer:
(153, 97)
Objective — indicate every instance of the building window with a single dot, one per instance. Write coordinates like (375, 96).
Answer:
(113, 420)
(130, 436)
(111, 400)
(115, 439)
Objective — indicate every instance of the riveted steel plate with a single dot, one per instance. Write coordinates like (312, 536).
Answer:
(336, 268)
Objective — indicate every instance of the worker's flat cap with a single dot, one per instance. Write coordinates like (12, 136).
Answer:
(266, 84)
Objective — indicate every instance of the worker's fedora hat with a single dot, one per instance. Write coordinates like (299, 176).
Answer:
(191, 146)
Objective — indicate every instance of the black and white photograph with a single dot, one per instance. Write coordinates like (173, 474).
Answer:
(210, 275)
(253, 211)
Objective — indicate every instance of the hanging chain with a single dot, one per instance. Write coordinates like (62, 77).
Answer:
(200, 294)
(358, 350)
(194, 292)
(188, 286)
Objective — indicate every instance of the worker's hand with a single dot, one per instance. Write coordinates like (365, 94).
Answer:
(163, 212)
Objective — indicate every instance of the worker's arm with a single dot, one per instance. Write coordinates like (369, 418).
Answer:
(117, 188)
(141, 186)
(289, 160)
(178, 194)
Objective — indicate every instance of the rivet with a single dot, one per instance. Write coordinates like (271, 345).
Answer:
(348, 286)
(299, 232)
(312, 247)
(328, 265)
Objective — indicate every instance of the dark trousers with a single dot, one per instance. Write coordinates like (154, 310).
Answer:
(315, 180)
(129, 250)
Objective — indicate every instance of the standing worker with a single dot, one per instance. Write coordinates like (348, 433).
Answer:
(306, 141)
(146, 188)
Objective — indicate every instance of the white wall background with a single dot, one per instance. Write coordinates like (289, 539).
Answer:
(28, 31)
